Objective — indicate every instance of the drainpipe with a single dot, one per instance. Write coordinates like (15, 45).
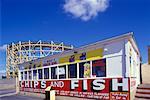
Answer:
(141, 81)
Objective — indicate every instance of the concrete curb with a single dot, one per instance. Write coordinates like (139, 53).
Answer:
(42, 96)
(9, 94)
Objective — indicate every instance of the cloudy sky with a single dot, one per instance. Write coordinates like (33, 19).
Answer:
(76, 22)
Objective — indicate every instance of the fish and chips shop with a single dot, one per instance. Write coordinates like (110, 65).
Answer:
(104, 70)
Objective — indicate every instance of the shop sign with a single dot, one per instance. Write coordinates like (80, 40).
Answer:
(86, 88)
(47, 62)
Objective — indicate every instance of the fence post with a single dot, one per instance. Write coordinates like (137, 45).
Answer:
(17, 85)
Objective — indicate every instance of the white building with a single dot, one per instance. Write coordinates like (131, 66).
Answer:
(107, 69)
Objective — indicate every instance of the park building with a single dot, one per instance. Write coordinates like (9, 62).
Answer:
(106, 70)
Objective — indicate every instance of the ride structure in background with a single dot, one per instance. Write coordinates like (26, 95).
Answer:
(17, 53)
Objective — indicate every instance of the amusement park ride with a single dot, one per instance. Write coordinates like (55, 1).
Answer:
(21, 52)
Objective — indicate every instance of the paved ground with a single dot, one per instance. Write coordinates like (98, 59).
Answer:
(6, 91)
(22, 97)
(19, 97)
(7, 87)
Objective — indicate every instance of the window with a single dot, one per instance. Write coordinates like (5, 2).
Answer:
(40, 74)
(53, 72)
(46, 73)
(35, 74)
(72, 71)
(99, 68)
(62, 72)
(25, 74)
(30, 75)
(84, 70)
(21, 75)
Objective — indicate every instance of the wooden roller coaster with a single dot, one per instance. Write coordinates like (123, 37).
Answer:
(21, 52)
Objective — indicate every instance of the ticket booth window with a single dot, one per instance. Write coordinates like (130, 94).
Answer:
(84, 70)
(35, 74)
(21, 75)
(72, 71)
(53, 72)
(99, 68)
(46, 73)
(25, 75)
(62, 72)
(30, 75)
(40, 73)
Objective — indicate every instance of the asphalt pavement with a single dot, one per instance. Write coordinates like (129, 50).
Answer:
(6, 91)
(19, 97)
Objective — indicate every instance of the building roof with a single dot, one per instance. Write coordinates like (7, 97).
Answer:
(129, 36)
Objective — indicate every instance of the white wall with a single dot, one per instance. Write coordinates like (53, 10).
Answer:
(113, 53)
(133, 68)
(114, 66)
(117, 56)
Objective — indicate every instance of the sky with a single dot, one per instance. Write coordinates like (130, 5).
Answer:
(76, 22)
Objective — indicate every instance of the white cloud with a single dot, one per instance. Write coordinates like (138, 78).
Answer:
(85, 9)
(3, 47)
